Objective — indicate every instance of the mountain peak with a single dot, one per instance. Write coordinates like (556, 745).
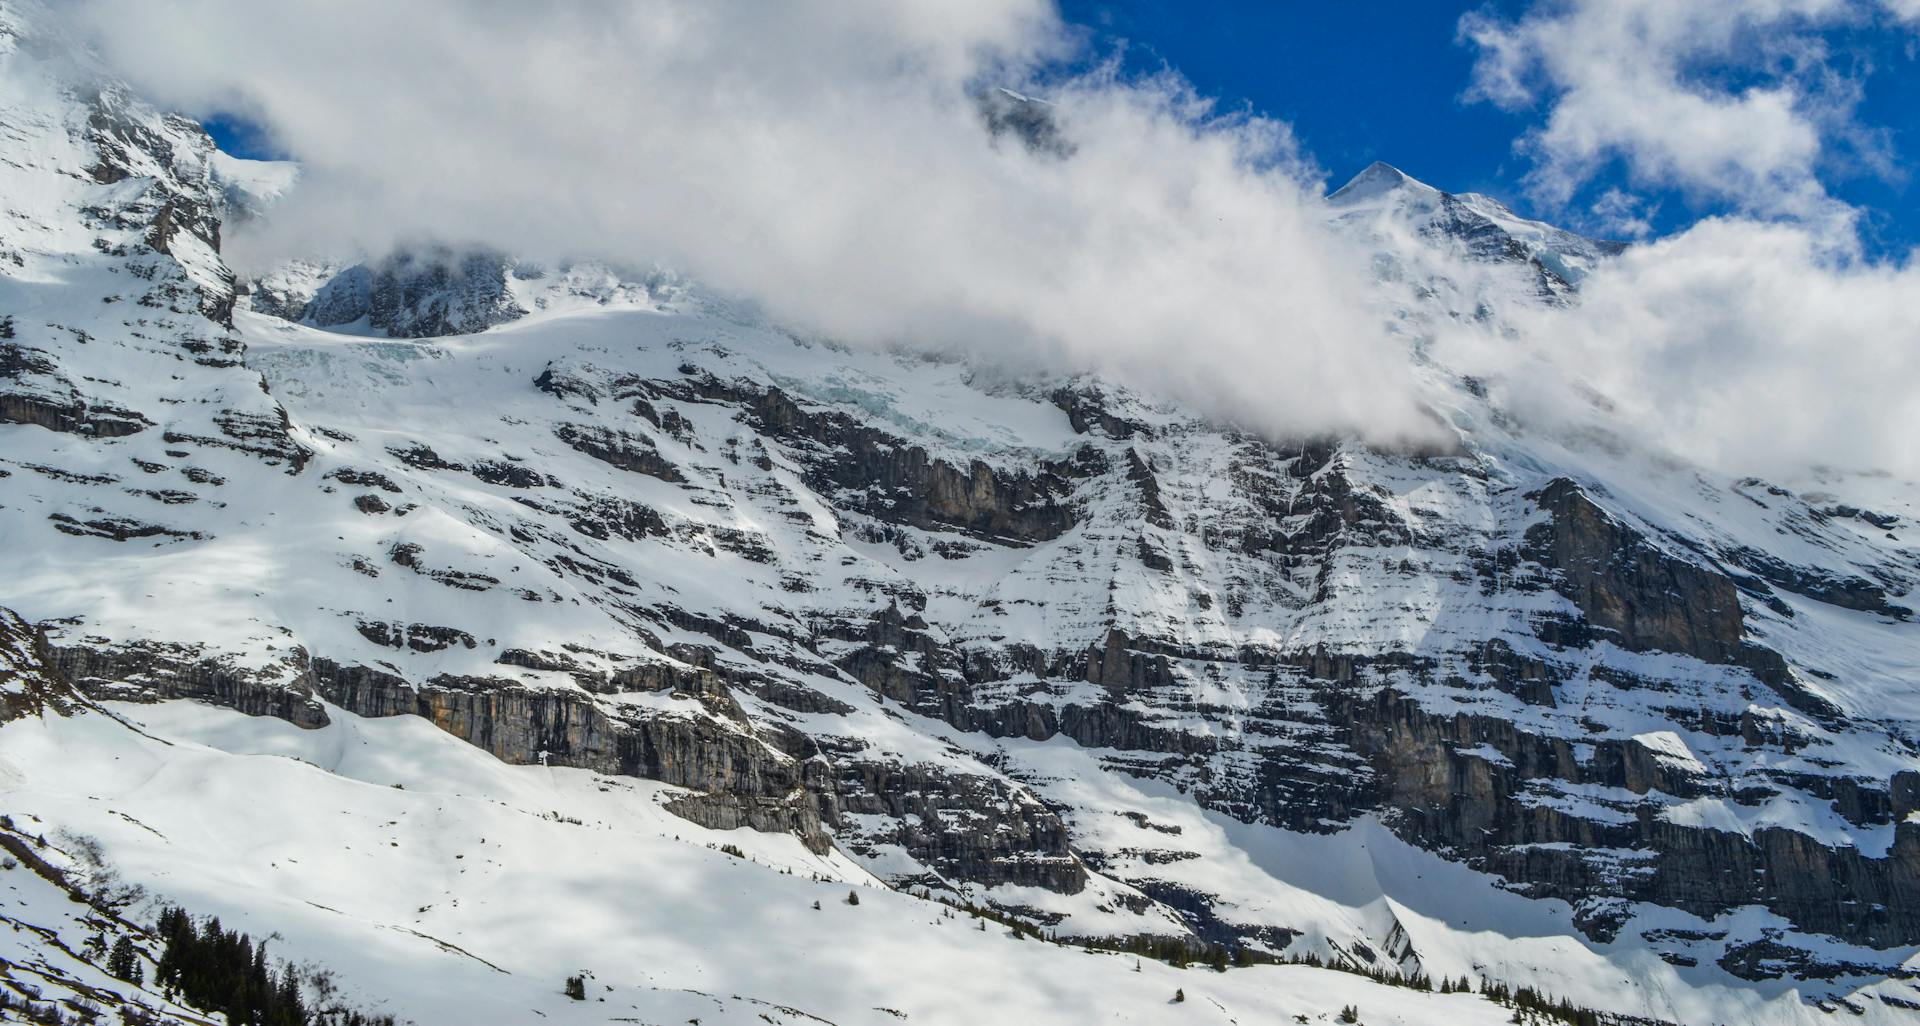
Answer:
(1378, 179)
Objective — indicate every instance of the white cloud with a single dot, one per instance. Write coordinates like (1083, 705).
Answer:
(823, 158)
(1651, 84)
(1740, 345)
(1763, 341)
(826, 160)
(1623, 215)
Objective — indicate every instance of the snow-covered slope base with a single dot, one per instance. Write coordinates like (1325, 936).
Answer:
(446, 888)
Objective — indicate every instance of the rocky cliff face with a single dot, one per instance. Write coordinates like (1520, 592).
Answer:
(416, 295)
(1622, 583)
(437, 291)
(1058, 645)
(30, 683)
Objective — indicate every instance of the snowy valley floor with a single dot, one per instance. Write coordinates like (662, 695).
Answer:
(447, 888)
(444, 887)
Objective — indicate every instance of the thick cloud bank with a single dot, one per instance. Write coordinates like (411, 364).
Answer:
(1739, 345)
(830, 161)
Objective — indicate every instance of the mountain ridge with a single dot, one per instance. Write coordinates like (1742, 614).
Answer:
(1054, 646)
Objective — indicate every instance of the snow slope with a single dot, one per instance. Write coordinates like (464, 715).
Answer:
(441, 887)
(1052, 645)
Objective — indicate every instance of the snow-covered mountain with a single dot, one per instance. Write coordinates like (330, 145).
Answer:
(1514, 709)
(1472, 226)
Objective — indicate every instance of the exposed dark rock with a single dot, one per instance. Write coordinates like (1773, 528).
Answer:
(1035, 124)
(1625, 584)
(407, 554)
(622, 449)
(419, 637)
(177, 201)
(1833, 589)
(748, 783)
(509, 474)
(1086, 410)
(421, 457)
(1769, 958)
(604, 517)
(268, 436)
(118, 528)
(103, 420)
(1445, 797)
(973, 828)
(893, 480)
(147, 671)
(362, 478)
(561, 385)
(33, 391)
(30, 683)
(165, 496)
(1883, 521)
(416, 295)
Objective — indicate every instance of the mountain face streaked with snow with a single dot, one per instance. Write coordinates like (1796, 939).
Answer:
(446, 614)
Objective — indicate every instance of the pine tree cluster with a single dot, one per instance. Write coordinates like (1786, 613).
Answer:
(1538, 1006)
(1179, 952)
(123, 963)
(220, 970)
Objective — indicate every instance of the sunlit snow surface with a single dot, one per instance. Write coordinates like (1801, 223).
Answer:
(448, 888)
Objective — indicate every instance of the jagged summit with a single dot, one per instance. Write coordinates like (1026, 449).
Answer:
(1379, 178)
(1383, 199)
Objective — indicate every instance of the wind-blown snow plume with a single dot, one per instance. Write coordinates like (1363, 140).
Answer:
(828, 160)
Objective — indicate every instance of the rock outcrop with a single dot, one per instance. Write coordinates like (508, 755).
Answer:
(30, 683)
(706, 746)
(150, 671)
(1647, 599)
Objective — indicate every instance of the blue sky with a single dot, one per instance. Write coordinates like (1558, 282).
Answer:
(1385, 81)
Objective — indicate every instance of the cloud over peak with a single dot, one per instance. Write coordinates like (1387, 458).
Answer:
(828, 160)
(832, 161)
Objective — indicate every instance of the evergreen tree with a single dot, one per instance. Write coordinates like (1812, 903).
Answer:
(123, 963)
(292, 1010)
